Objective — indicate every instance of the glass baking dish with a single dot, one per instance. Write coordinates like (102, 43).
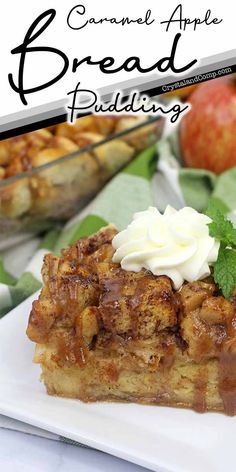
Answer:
(56, 188)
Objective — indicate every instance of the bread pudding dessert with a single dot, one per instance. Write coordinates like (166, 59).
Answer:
(48, 175)
(103, 332)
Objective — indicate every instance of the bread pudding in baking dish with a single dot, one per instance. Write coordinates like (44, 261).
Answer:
(103, 332)
(48, 175)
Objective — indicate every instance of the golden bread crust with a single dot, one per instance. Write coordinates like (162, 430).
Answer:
(103, 333)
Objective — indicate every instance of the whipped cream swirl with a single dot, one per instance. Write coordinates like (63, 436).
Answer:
(176, 244)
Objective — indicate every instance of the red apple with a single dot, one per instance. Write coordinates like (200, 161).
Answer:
(208, 130)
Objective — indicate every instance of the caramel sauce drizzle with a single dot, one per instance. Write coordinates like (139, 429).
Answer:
(227, 381)
(64, 292)
(200, 390)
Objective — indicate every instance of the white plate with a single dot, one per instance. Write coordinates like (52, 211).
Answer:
(162, 439)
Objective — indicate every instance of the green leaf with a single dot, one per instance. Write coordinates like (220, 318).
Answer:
(214, 212)
(216, 202)
(224, 231)
(5, 277)
(88, 226)
(50, 239)
(144, 165)
(221, 228)
(225, 271)
(25, 286)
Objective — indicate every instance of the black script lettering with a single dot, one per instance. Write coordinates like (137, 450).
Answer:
(133, 62)
(177, 17)
(80, 10)
(87, 101)
(82, 103)
(103, 63)
(170, 60)
(24, 48)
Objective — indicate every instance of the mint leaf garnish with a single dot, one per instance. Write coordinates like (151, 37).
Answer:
(225, 267)
(225, 271)
(221, 228)
(224, 231)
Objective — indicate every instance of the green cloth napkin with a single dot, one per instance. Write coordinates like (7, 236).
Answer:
(194, 187)
(13, 291)
(126, 193)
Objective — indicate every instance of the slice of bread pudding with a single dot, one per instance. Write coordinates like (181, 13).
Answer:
(103, 333)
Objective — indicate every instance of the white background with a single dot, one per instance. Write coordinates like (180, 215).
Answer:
(150, 43)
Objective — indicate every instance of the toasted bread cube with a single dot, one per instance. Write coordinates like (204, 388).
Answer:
(135, 303)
